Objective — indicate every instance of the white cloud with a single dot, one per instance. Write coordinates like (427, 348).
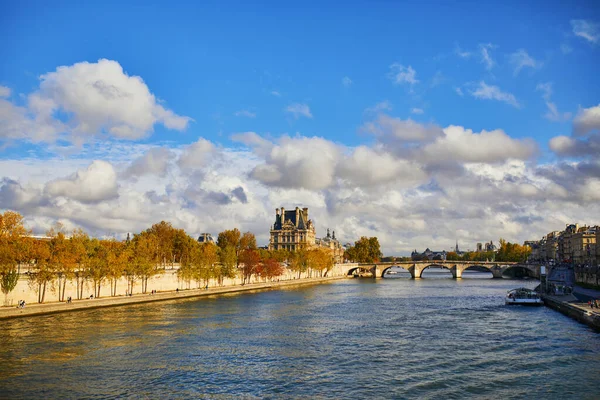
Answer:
(379, 107)
(486, 56)
(299, 163)
(96, 98)
(521, 59)
(4, 91)
(585, 139)
(553, 114)
(460, 52)
(459, 91)
(197, 154)
(415, 110)
(586, 29)
(465, 146)
(399, 74)
(401, 131)
(299, 110)
(346, 81)
(96, 183)
(275, 93)
(490, 92)
(245, 113)
(155, 161)
(587, 121)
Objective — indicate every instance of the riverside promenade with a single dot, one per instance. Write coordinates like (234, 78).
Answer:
(576, 307)
(85, 304)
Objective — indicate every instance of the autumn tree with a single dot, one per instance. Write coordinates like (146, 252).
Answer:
(512, 252)
(43, 274)
(250, 259)
(79, 245)
(117, 258)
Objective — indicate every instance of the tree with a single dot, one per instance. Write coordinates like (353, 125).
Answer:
(365, 250)
(79, 244)
(250, 259)
(164, 235)
(99, 269)
(269, 269)
(43, 273)
(512, 252)
(117, 258)
(13, 250)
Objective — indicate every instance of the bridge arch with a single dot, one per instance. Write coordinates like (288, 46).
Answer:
(518, 271)
(387, 269)
(479, 268)
(419, 272)
(358, 270)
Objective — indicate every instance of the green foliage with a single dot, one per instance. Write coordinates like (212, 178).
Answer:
(9, 280)
(365, 250)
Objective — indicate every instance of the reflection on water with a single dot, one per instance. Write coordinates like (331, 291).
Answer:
(358, 338)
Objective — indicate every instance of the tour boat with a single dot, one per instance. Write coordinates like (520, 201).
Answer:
(523, 296)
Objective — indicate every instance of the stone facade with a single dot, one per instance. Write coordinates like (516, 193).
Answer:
(292, 230)
(577, 245)
(332, 244)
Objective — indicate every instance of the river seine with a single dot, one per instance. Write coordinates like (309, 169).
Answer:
(433, 338)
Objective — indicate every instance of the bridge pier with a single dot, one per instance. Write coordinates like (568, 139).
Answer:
(456, 272)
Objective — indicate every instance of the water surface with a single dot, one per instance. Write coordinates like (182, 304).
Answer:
(356, 338)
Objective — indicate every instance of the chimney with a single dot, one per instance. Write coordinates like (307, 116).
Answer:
(282, 215)
(297, 216)
(305, 212)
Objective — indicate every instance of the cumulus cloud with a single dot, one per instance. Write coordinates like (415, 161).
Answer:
(587, 121)
(96, 98)
(585, 139)
(96, 183)
(586, 29)
(368, 167)
(4, 91)
(197, 154)
(299, 163)
(154, 162)
(399, 74)
(521, 59)
(465, 146)
(490, 92)
(402, 131)
(299, 110)
(553, 114)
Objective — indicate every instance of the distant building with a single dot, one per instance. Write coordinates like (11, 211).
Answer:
(206, 238)
(479, 247)
(292, 230)
(490, 246)
(332, 244)
(428, 255)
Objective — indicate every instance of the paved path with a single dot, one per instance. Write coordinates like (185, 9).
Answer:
(56, 307)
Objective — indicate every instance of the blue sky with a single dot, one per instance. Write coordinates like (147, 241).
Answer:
(233, 67)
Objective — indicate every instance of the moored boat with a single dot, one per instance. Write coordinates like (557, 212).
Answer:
(523, 296)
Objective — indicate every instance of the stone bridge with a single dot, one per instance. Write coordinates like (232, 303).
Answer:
(416, 268)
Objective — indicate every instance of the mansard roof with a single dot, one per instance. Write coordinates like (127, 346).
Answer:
(290, 215)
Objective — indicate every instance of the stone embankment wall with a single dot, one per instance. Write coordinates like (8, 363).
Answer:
(166, 280)
(588, 275)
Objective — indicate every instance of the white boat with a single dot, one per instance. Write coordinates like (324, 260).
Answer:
(523, 296)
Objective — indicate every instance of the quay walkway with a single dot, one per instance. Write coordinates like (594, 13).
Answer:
(87, 303)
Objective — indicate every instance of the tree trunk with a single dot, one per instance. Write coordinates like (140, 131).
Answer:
(43, 293)
(63, 289)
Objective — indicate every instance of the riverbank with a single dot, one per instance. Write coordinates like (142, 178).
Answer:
(86, 304)
(572, 307)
